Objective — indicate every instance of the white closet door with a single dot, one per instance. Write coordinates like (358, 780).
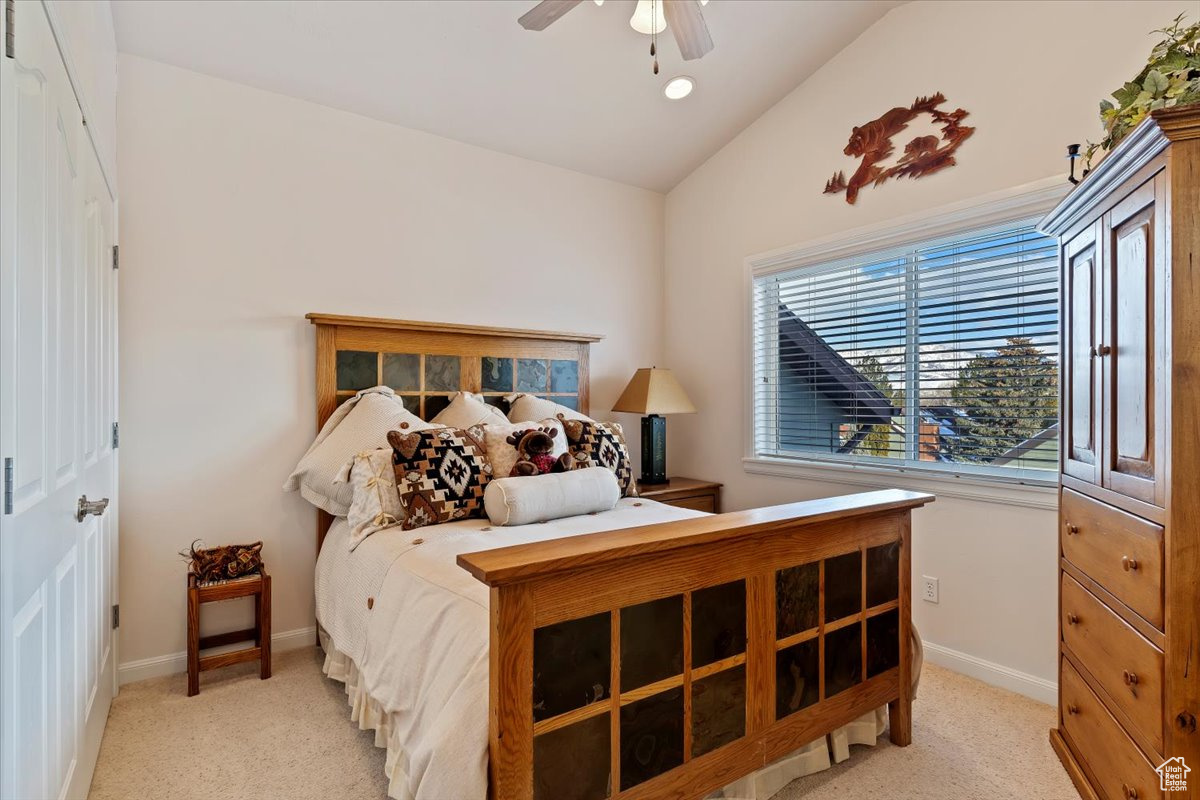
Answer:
(57, 408)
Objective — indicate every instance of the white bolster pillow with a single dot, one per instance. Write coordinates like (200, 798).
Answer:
(537, 498)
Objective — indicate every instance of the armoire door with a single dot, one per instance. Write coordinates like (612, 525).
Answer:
(1134, 347)
(57, 411)
(1081, 376)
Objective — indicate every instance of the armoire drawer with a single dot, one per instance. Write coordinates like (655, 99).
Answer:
(1120, 770)
(1127, 666)
(1121, 552)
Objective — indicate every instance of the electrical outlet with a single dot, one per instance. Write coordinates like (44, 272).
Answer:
(931, 589)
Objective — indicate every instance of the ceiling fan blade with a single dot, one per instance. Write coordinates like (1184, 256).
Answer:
(540, 16)
(687, 24)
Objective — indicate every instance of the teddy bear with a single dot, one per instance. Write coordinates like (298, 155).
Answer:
(535, 453)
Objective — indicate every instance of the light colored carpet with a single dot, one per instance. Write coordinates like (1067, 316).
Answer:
(291, 737)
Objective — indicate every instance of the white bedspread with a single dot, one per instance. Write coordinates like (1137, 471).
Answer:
(421, 650)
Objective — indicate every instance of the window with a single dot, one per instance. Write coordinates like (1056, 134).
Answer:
(939, 355)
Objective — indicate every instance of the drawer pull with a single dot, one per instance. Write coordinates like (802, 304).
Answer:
(1072, 529)
(1131, 678)
(1103, 350)
(1072, 709)
(1130, 564)
(1129, 792)
(1072, 619)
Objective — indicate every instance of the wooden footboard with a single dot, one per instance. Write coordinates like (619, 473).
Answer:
(669, 660)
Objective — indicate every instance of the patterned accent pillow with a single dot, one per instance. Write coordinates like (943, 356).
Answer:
(603, 445)
(440, 474)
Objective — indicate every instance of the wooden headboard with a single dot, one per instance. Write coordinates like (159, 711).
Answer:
(425, 361)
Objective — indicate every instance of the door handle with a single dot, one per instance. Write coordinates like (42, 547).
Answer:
(93, 507)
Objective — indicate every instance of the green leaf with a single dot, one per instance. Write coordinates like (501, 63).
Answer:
(1106, 106)
(1124, 96)
(1173, 61)
(1155, 83)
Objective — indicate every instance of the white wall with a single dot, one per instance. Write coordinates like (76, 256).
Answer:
(243, 210)
(1031, 75)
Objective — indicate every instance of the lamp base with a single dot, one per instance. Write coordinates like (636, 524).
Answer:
(654, 449)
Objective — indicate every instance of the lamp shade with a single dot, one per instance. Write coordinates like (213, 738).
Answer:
(654, 391)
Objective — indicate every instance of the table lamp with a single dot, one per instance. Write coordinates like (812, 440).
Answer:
(653, 391)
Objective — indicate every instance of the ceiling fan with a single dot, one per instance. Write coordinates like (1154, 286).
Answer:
(683, 17)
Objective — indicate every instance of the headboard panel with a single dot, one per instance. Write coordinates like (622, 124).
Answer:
(425, 361)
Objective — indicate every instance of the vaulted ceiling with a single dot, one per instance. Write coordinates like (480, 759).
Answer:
(579, 94)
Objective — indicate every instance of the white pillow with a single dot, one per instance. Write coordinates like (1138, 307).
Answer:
(530, 408)
(376, 502)
(467, 410)
(503, 456)
(520, 501)
(361, 423)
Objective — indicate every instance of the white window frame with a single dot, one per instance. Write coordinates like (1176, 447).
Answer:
(998, 208)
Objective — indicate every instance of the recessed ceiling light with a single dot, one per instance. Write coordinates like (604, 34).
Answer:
(679, 88)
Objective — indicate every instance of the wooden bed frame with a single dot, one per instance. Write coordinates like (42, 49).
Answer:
(669, 660)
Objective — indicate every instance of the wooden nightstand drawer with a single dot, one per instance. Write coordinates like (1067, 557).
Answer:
(685, 493)
(703, 502)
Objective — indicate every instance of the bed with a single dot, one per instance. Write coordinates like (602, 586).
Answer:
(512, 662)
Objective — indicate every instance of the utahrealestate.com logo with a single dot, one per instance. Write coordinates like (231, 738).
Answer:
(1172, 775)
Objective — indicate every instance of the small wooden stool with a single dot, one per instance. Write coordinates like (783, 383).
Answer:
(257, 585)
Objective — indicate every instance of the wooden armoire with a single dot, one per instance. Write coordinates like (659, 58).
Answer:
(1129, 512)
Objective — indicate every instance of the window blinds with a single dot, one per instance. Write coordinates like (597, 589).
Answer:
(942, 354)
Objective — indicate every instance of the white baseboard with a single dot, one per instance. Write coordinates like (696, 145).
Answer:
(175, 663)
(1031, 686)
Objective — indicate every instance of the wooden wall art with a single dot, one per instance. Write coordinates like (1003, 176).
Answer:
(924, 155)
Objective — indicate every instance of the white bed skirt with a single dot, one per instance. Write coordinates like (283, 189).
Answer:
(815, 756)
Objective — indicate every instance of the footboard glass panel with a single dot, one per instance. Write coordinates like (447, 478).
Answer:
(570, 665)
(573, 761)
(651, 736)
(651, 642)
(718, 709)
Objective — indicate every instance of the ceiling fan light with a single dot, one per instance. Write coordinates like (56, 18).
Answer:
(648, 17)
(679, 88)
(601, 2)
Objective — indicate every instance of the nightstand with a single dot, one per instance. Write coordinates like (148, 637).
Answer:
(684, 493)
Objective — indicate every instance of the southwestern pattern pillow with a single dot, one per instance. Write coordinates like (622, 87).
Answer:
(603, 445)
(440, 474)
